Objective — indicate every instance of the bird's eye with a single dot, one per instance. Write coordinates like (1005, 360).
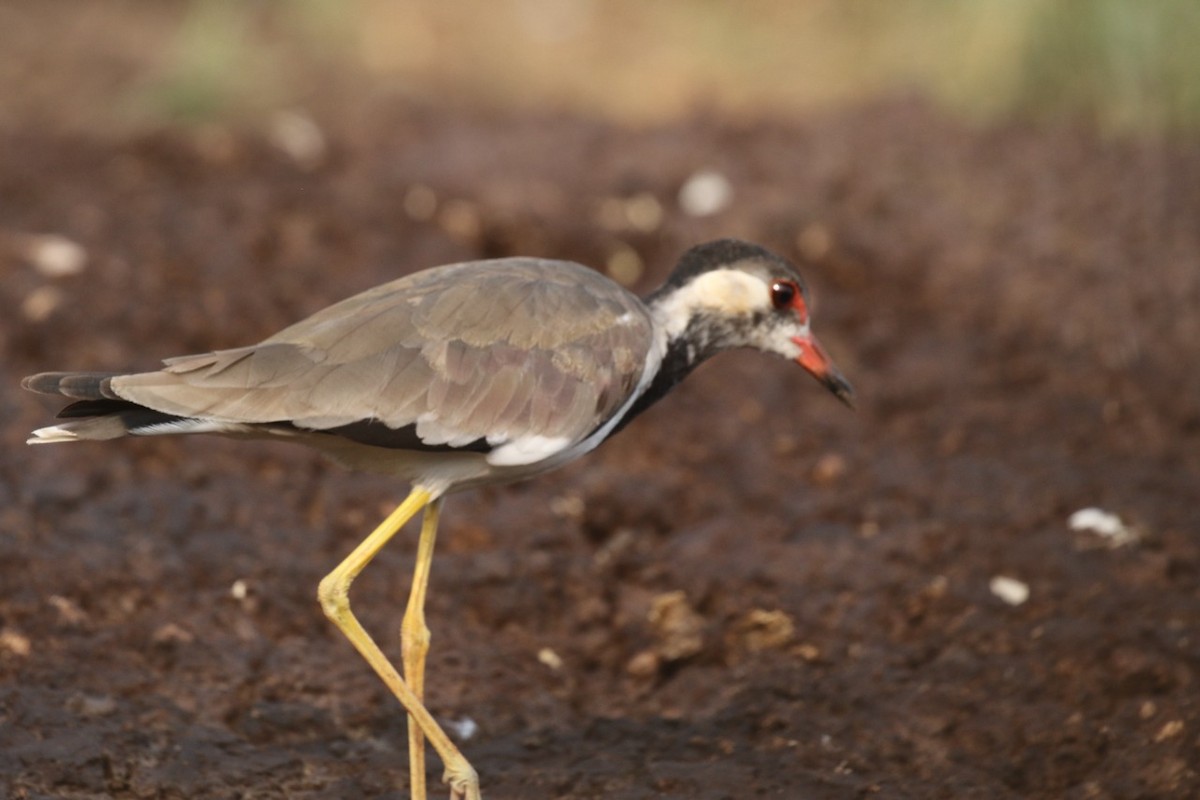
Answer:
(783, 293)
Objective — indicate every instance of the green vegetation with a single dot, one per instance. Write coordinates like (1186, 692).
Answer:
(1125, 65)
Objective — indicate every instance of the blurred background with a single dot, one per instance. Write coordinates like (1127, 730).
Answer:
(1123, 66)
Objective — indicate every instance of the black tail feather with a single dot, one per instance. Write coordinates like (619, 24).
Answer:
(97, 412)
(76, 385)
(95, 408)
(132, 415)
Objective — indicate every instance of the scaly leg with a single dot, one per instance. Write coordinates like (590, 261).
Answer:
(414, 639)
(334, 593)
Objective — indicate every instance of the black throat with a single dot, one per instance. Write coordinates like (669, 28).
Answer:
(680, 359)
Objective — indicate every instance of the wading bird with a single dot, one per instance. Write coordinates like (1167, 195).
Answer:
(457, 376)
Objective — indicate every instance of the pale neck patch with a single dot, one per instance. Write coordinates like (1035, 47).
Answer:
(723, 292)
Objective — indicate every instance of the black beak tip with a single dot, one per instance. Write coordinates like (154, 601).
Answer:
(841, 389)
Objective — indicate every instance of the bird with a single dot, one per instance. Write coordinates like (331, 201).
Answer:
(453, 377)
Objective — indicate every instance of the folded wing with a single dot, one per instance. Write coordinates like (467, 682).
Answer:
(482, 352)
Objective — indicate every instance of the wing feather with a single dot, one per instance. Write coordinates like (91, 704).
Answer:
(496, 349)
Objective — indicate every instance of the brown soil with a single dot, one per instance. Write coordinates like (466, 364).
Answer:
(751, 592)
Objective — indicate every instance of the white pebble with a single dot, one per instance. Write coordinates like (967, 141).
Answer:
(705, 193)
(55, 256)
(239, 590)
(15, 642)
(43, 301)
(1010, 590)
(1103, 523)
(643, 212)
(462, 729)
(550, 658)
(298, 135)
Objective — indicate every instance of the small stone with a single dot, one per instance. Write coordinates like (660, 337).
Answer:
(550, 658)
(705, 193)
(68, 610)
(643, 212)
(766, 630)
(625, 265)
(15, 642)
(55, 256)
(1104, 524)
(1169, 731)
(93, 705)
(39, 304)
(644, 665)
(297, 135)
(937, 587)
(172, 634)
(610, 214)
(462, 729)
(808, 652)
(829, 468)
(1009, 590)
(621, 542)
(568, 506)
(678, 627)
(460, 219)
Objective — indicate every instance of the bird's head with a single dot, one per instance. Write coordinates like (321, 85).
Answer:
(730, 293)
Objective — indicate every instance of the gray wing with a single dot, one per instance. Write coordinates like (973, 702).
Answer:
(495, 350)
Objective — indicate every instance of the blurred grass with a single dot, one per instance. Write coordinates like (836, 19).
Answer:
(210, 52)
(1126, 65)
(1123, 65)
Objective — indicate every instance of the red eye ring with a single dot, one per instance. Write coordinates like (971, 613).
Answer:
(783, 294)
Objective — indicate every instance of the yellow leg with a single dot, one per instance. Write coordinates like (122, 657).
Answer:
(334, 593)
(414, 639)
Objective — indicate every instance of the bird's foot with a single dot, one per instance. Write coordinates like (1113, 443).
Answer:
(463, 781)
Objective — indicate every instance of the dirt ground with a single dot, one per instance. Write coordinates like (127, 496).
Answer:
(751, 592)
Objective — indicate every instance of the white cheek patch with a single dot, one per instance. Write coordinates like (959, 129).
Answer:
(729, 292)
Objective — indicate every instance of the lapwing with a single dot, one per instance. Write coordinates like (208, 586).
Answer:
(457, 376)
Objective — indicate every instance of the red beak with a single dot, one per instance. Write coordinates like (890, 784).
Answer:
(814, 359)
